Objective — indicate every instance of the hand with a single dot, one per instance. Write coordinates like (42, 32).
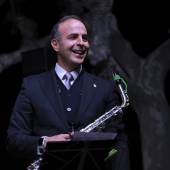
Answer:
(61, 137)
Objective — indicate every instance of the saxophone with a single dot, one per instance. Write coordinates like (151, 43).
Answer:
(97, 125)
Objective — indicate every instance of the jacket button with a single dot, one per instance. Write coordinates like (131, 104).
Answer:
(68, 109)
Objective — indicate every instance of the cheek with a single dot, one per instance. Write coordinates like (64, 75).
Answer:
(87, 45)
(64, 49)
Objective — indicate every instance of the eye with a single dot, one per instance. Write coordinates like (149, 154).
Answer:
(85, 37)
(72, 36)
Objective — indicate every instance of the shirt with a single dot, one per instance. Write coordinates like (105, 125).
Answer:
(61, 72)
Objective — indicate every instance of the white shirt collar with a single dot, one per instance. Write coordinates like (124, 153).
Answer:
(61, 72)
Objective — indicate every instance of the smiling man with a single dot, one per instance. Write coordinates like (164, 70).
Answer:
(52, 105)
(70, 42)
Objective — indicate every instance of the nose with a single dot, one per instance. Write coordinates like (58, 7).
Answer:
(80, 41)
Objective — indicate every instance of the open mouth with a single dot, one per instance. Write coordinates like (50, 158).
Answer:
(80, 52)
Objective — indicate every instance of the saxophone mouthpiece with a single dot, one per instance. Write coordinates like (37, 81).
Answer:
(116, 78)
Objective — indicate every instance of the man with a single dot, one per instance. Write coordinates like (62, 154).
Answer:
(47, 110)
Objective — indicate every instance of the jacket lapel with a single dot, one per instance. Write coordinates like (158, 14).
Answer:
(49, 86)
(89, 88)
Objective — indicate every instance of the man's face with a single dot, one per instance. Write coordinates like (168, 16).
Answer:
(73, 46)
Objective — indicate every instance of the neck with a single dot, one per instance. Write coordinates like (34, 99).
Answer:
(69, 68)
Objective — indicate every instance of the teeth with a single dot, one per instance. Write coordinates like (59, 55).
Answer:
(78, 52)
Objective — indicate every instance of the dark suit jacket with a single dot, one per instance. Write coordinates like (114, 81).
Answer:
(38, 110)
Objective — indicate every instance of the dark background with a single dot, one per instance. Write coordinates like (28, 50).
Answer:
(144, 24)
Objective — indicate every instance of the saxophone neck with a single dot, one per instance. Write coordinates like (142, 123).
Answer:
(124, 96)
(123, 92)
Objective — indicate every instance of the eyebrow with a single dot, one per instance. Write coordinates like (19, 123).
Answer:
(76, 34)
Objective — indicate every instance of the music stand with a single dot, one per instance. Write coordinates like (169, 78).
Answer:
(78, 154)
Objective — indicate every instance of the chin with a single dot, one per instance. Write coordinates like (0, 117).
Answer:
(79, 61)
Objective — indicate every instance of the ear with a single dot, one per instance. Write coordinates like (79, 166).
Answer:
(54, 44)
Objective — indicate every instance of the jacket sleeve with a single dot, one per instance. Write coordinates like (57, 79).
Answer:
(20, 139)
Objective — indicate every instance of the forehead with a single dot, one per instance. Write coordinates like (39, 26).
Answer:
(72, 26)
